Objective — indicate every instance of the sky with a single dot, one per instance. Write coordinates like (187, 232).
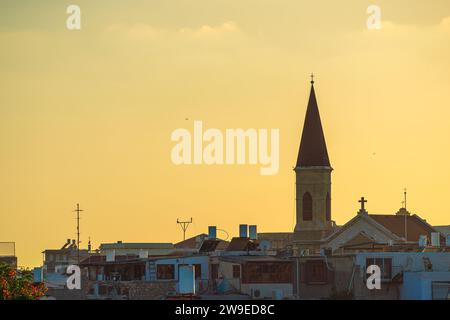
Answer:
(86, 115)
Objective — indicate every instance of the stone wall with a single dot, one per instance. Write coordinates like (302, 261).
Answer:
(129, 290)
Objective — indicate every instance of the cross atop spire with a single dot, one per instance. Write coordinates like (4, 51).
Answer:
(312, 78)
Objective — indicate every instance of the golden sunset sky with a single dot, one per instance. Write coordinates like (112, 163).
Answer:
(86, 116)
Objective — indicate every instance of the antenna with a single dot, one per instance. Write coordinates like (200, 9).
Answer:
(406, 216)
(78, 210)
(404, 194)
(184, 225)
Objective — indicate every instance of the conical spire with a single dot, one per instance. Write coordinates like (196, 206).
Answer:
(313, 149)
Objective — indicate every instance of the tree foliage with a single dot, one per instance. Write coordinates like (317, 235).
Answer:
(18, 284)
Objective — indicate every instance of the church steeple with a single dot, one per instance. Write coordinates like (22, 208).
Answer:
(313, 149)
(313, 178)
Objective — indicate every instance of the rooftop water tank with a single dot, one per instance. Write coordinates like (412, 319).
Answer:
(252, 232)
(243, 231)
(212, 232)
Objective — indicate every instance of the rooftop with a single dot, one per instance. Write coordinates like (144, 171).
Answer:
(252, 258)
(396, 224)
(137, 245)
(241, 244)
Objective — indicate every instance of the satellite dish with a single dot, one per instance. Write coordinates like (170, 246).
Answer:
(264, 245)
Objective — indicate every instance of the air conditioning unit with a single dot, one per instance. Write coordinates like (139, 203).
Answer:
(256, 294)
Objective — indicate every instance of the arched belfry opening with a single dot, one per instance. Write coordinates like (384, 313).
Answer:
(307, 207)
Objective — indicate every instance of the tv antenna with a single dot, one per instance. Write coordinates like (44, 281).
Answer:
(184, 225)
(404, 197)
(406, 215)
(78, 210)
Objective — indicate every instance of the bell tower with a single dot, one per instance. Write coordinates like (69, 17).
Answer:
(313, 178)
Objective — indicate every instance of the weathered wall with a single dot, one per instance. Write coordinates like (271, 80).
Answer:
(316, 181)
(337, 284)
(226, 276)
(128, 290)
(267, 289)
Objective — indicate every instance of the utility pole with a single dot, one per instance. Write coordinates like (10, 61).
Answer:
(78, 210)
(184, 225)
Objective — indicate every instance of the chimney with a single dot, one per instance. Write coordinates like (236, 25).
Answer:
(72, 245)
(435, 239)
(66, 244)
(252, 232)
(243, 231)
(212, 232)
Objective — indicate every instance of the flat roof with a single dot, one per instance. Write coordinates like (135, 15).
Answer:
(132, 245)
(253, 259)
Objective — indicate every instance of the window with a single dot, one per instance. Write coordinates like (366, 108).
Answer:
(215, 271)
(236, 271)
(328, 207)
(385, 265)
(307, 207)
(267, 272)
(440, 290)
(316, 272)
(165, 271)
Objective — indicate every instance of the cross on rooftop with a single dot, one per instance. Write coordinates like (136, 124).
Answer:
(363, 202)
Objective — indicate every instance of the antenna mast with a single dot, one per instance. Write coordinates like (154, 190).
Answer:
(78, 210)
(406, 216)
(184, 225)
(404, 194)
